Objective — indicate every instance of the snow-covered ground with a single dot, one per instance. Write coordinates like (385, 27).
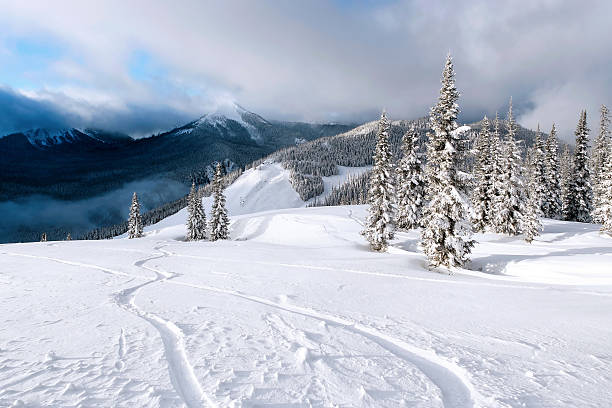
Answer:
(296, 311)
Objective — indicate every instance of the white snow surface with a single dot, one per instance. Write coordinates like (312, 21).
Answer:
(267, 187)
(229, 111)
(50, 137)
(295, 311)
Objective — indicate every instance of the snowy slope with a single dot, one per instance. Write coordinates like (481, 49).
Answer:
(263, 188)
(296, 311)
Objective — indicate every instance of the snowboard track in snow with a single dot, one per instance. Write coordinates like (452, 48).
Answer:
(478, 281)
(452, 380)
(181, 372)
(180, 369)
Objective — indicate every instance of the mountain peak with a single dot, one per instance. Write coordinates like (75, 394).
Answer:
(51, 137)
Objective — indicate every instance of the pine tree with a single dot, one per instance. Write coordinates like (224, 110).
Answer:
(539, 169)
(551, 202)
(508, 204)
(196, 218)
(447, 230)
(531, 222)
(410, 184)
(565, 172)
(599, 160)
(604, 211)
(581, 193)
(379, 224)
(496, 163)
(482, 195)
(219, 221)
(135, 220)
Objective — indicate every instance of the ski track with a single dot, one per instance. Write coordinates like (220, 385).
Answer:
(398, 276)
(180, 369)
(181, 372)
(452, 380)
(72, 263)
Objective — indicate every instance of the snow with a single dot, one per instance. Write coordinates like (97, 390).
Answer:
(49, 137)
(229, 111)
(296, 311)
(267, 187)
(461, 130)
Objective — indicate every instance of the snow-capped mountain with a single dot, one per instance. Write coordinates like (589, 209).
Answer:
(51, 138)
(74, 165)
(229, 120)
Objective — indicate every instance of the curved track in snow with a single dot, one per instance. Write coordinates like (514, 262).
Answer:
(181, 371)
(452, 380)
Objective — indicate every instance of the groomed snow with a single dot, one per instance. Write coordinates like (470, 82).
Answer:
(296, 311)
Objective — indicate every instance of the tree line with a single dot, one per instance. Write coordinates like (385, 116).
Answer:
(505, 192)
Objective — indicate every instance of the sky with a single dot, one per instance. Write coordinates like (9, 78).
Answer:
(141, 67)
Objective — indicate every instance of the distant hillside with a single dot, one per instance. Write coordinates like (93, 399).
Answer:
(88, 172)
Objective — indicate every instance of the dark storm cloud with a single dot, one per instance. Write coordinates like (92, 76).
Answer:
(324, 61)
(21, 112)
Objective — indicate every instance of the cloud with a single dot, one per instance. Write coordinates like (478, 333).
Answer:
(31, 215)
(22, 111)
(320, 60)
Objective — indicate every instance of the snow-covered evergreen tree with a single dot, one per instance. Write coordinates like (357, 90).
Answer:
(219, 221)
(447, 230)
(482, 195)
(135, 220)
(551, 200)
(565, 174)
(508, 204)
(196, 218)
(379, 224)
(538, 166)
(531, 225)
(410, 184)
(604, 211)
(496, 150)
(599, 160)
(581, 193)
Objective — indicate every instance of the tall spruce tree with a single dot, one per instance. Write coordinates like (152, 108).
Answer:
(604, 210)
(410, 184)
(565, 174)
(447, 231)
(508, 204)
(539, 168)
(552, 192)
(135, 220)
(379, 224)
(482, 195)
(496, 162)
(196, 219)
(219, 221)
(599, 160)
(531, 225)
(581, 193)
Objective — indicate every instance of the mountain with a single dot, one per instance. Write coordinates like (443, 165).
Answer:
(43, 170)
(331, 170)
